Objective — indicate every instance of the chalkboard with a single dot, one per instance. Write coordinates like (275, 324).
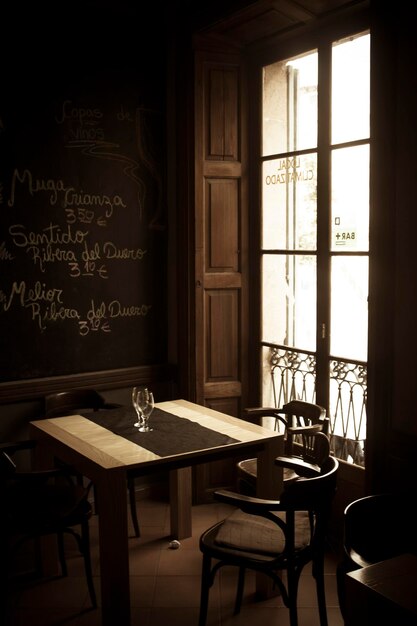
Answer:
(83, 237)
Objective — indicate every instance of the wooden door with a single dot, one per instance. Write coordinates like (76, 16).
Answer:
(220, 248)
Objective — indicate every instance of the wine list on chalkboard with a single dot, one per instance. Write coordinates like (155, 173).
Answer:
(83, 235)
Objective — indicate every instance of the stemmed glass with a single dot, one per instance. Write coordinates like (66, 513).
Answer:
(143, 402)
(135, 397)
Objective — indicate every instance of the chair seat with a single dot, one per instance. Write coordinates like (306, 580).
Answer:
(259, 535)
(249, 469)
(249, 466)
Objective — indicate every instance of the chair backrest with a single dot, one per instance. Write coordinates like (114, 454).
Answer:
(300, 419)
(301, 413)
(294, 413)
(315, 448)
(65, 402)
(314, 494)
(7, 466)
(303, 419)
(378, 527)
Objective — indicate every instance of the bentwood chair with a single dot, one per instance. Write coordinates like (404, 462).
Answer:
(67, 402)
(39, 503)
(80, 400)
(274, 536)
(300, 420)
(375, 528)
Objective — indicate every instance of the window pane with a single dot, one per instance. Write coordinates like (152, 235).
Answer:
(350, 89)
(289, 203)
(289, 114)
(289, 300)
(350, 199)
(349, 307)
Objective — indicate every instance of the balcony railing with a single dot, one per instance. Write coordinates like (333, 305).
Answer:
(290, 374)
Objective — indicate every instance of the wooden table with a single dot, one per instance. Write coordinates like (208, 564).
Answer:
(104, 457)
(383, 593)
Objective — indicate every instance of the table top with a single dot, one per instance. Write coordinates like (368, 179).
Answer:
(394, 580)
(109, 450)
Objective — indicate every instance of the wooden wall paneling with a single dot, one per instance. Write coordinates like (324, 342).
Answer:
(36, 388)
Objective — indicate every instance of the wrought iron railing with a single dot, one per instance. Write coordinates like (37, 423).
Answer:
(291, 374)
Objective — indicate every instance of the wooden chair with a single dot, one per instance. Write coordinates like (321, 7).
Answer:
(39, 503)
(76, 400)
(300, 420)
(375, 528)
(67, 402)
(274, 536)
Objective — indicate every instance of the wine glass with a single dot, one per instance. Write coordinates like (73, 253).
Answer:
(135, 396)
(145, 403)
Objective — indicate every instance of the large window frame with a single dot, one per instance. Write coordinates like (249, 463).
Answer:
(314, 367)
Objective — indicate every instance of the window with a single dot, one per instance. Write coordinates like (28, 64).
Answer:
(314, 253)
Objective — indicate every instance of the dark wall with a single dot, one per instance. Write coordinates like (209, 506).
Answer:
(392, 432)
(83, 224)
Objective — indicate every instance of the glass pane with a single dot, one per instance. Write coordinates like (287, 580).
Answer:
(289, 98)
(350, 199)
(349, 307)
(289, 300)
(350, 89)
(289, 193)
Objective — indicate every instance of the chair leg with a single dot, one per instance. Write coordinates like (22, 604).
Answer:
(292, 580)
(95, 500)
(37, 553)
(239, 592)
(61, 554)
(133, 511)
(318, 573)
(205, 587)
(342, 569)
(85, 544)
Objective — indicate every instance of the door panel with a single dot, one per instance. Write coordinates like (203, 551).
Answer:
(222, 88)
(222, 236)
(222, 354)
(220, 250)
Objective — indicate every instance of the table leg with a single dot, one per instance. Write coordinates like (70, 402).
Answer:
(180, 498)
(43, 459)
(114, 549)
(269, 480)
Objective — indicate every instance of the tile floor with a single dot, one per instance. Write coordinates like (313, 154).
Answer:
(165, 583)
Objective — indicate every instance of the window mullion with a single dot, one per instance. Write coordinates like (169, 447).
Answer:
(323, 223)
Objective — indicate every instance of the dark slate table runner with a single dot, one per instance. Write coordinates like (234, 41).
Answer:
(170, 435)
